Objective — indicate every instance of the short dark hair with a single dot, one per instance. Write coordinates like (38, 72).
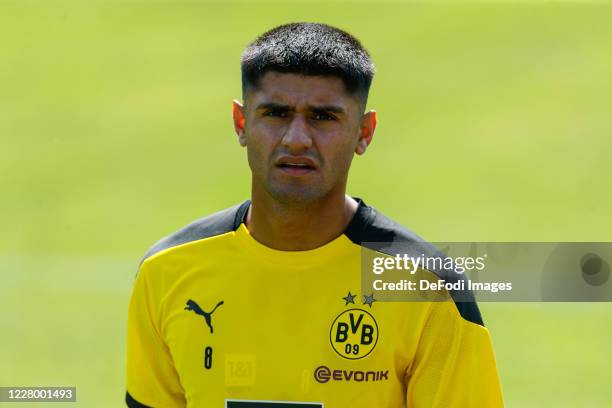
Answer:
(309, 49)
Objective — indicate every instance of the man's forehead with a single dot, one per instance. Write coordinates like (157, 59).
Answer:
(298, 89)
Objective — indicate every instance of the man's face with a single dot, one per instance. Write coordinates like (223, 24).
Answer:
(301, 133)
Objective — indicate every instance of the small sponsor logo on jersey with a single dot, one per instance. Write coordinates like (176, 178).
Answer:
(194, 307)
(325, 374)
(353, 334)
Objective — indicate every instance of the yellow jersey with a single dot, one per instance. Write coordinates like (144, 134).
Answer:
(216, 319)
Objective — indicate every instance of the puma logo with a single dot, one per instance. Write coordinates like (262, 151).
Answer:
(192, 305)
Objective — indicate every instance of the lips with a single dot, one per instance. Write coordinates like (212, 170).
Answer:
(295, 165)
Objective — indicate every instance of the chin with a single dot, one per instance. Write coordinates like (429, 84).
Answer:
(296, 195)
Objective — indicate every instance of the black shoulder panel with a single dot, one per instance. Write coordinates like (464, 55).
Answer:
(373, 230)
(215, 224)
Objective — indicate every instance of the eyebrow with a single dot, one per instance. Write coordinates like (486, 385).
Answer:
(328, 108)
(287, 108)
(273, 105)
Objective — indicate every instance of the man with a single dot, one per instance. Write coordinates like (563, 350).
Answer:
(260, 305)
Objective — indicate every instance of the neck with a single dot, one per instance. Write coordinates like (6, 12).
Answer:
(295, 227)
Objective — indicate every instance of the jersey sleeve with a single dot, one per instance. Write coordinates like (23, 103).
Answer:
(152, 380)
(454, 365)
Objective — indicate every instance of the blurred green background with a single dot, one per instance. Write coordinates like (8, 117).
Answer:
(494, 124)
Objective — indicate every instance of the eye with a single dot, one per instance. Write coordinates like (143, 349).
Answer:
(323, 116)
(276, 113)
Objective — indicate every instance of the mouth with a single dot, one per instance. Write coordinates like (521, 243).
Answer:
(295, 166)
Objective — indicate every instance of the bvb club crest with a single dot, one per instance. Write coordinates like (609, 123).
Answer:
(354, 332)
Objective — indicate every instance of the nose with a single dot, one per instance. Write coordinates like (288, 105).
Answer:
(297, 138)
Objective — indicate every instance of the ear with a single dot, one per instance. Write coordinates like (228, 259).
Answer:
(239, 121)
(366, 132)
